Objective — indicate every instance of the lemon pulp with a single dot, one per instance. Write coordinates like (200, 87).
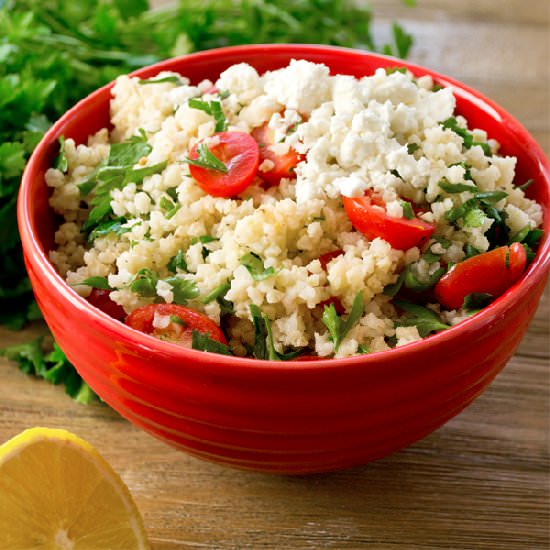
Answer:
(58, 493)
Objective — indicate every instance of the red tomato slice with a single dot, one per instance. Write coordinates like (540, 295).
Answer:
(102, 300)
(180, 333)
(283, 164)
(241, 155)
(368, 215)
(492, 272)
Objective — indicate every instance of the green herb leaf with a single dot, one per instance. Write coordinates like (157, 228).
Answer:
(408, 212)
(207, 159)
(116, 227)
(256, 267)
(403, 41)
(183, 289)
(467, 137)
(403, 70)
(337, 328)
(177, 262)
(526, 185)
(218, 292)
(272, 353)
(491, 197)
(474, 217)
(61, 162)
(533, 238)
(128, 152)
(430, 257)
(172, 79)
(144, 283)
(96, 282)
(362, 348)
(53, 367)
(394, 288)
(529, 252)
(178, 320)
(260, 333)
(477, 300)
(520, 235)
(204, 239)
(424, 319)
(470, 251)
(414, 283)
(202, 342)
(214, 109)
(456, 187)
(169, 207)
(412, 147)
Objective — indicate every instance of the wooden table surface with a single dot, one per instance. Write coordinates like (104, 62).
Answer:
(480, 481)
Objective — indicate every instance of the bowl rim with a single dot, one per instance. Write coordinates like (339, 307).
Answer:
(536, 271)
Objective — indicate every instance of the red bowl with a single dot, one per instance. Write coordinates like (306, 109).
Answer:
(276, 416)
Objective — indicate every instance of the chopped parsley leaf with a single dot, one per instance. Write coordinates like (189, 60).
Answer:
(169, 207)
(144, 283)
(218, 292)
(414, 283)
(174, 79)
(526, 185)
(470, 251)
(115, 226)
(95, 282)
(177, 262)
(337, 328)
(61, 162)
(474, 217)
(456, 187)
(412, 147)
(477, 300)
(408, 212)
(260, 333)
(207, 159)
(178, 320)
(391, 70)
(202, 342)
(183, 289)
(204, 239)
(255, 266)
(362, 348)
(263, 338)
(393, 288)
(467, 137)
(52, 366)
(212, 108)
(424, 319)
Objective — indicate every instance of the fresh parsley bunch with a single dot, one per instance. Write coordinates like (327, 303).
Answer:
(54, 52)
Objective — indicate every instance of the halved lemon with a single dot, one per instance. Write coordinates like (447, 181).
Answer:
(58, 493)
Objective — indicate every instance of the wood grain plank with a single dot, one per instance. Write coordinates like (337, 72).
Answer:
(535, 13)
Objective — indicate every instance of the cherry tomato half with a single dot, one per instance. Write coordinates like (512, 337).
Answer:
(101, 299)
(368, 215)
(283, 164)
(240, 154)
(492, 272)
(180, 322)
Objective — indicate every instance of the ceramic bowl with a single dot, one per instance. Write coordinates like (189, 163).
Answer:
(286, 417)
